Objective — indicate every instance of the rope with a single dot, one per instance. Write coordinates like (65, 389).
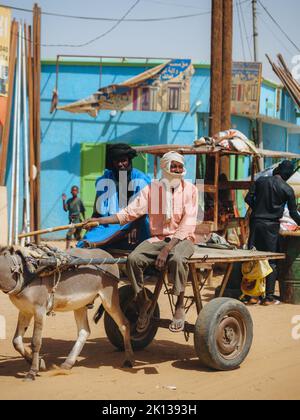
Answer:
(50, 303)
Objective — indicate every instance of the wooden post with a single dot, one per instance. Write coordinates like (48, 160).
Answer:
(216, 78)
(195, 283)
(216, 193)
(227, 64)
(36, 109)
(216, 66)
(31, 129)
(226, 279)
(226, 76)
(11, 83)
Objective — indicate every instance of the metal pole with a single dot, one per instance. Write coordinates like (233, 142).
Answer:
(255, 30)
(13, 169)
(25, 140)
(16, 240)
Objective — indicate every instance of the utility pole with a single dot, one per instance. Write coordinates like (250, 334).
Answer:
(215, 116)
(259, 125)
(227, 64)
(255, 29)
(226, 76)
(216, 66)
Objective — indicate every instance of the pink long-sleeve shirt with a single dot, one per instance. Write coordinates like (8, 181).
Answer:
(151, 201)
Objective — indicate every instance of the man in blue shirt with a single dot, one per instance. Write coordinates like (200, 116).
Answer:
(119, 185)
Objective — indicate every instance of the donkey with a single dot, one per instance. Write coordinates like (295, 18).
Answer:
(76, 290)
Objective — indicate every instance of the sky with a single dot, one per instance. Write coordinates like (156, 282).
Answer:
(186, 38)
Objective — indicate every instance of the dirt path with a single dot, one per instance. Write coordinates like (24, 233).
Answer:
(271, 371)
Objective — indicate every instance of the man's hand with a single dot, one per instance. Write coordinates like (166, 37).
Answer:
(64, 197)
(161, 261)
(91, 223)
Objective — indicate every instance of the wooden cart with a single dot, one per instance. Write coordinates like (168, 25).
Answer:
(223, 331)
(213, 185)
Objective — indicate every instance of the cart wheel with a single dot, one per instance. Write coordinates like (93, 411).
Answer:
(139, 341)
(223, 334)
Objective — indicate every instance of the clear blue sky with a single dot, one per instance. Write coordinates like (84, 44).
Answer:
(188, 38)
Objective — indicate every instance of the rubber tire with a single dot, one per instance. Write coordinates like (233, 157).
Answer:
(138, 341)
(206, 329)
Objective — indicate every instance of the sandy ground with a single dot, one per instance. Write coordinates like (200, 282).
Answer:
(271, 371)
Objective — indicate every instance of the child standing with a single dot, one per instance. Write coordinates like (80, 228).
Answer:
(75, 208)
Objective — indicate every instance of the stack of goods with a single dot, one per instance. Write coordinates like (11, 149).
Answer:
(231, 140)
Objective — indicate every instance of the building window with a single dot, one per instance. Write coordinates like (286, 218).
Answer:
(145, 99)
(234, 93)
(149, 99)
(174, 98)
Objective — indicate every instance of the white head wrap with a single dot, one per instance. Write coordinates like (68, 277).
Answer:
(171, 180)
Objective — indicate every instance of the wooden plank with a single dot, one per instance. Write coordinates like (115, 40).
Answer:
(190, 150)
(227, 260)
(209, 255)
(210, 188)
(278, 155)
(235, 185)
(11, 78)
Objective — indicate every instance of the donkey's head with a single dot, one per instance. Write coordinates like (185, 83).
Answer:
(7, 280)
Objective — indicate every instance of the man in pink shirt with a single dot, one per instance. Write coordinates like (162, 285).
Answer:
(172, 206)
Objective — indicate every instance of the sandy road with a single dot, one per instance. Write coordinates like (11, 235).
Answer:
(271, 371)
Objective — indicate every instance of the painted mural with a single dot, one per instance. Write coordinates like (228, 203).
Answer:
(165, 88)
(246, 87)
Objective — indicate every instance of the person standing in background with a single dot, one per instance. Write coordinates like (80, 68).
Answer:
(267, 198)
(76, 209)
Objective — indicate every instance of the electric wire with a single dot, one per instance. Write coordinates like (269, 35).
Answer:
(278, 25)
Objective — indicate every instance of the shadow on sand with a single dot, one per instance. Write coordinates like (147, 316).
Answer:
(99, 353)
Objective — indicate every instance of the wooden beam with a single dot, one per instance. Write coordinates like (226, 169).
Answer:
(235, 185)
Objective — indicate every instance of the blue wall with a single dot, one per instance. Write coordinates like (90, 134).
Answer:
(62, 133)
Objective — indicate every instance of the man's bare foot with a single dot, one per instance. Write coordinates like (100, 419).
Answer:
(177, 325)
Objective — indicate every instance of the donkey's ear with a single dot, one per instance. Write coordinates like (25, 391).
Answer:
(6, 250)
(3, 249)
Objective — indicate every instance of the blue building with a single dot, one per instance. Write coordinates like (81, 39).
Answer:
(72, 149)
